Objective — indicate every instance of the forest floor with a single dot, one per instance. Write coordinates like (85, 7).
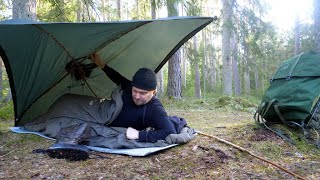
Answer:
(202, 158)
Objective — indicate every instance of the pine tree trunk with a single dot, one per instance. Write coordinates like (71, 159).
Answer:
(226, 60)
(213, 71)
(174, 77)
(197, 85)
(204, 69)
(256, 77)
(153, 9)
(174, 69)
(297, 40)
(246, 70)
(119, 9)
(79, 10)
(184, 58)
(24, 9)
(213, 79)
(316, 4)
(235, 69)
(184, 67)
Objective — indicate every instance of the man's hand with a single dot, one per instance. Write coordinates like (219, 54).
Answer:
(132, 133)
(97, 60)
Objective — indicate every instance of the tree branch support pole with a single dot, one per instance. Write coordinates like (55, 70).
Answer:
(256, 156)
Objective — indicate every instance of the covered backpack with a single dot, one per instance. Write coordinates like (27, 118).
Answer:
(293, 95)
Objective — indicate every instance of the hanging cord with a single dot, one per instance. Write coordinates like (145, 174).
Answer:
(256, 156)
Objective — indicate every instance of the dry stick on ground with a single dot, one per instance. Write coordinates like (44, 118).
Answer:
(256, 156)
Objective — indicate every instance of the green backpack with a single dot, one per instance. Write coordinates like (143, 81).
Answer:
(293, 95)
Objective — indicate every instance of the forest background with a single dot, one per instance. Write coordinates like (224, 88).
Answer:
(236, 55)
(232, 58)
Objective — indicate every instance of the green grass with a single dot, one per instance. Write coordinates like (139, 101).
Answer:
(7, 111)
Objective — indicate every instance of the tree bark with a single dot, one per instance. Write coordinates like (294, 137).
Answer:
(197, 85)
(213, 71)
(226, 60)
(204, 68)
(174, 69)
(153, 9)
(297, 35)
(184, 58)
(119, 9)
(256, 77)
(79, 10)
(235, 69)
(184, 67)
(316, 4)
(246, 73)
(174, 77)
(24, 9)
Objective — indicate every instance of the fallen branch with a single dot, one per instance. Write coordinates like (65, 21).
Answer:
(256, 156)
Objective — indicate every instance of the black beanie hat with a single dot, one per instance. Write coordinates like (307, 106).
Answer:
(145, 79)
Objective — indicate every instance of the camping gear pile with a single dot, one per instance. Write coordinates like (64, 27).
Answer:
(293, 97)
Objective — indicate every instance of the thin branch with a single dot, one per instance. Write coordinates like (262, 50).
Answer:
(256, 156)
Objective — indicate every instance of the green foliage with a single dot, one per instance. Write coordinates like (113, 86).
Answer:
(141, 10)
(223, 103)
(193, 7)
(235, 103)
(7, 111)
(57, 11)
(4, 10)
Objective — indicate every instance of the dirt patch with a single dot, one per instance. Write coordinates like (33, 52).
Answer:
(263, 135)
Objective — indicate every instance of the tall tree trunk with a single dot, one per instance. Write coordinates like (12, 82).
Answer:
(184, 58)
(174, 69)
(153, 8)
(24, 9)
(212, 70)
(137, 10)
(256, 77)
(79, 10)
(160, 86)
(226, 60)
(297, 35)
(197, 85)
(106, 10)
(119, 9)
(184, 67)
(213, 77)
(316, 13)
(246, 73)
(204, 69)
(174, 77)
(235, 69)
(103, 4)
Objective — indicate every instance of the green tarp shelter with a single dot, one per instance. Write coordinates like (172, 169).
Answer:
(44, 60)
